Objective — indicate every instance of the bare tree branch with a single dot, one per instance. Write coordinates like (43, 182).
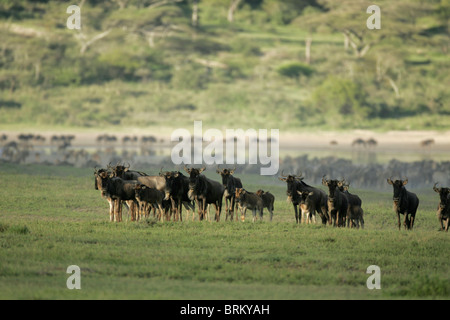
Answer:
(85, 44)
(233, 7)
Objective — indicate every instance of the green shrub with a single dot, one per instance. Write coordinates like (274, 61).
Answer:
(341, 96)
(190, 76)
(295, 70)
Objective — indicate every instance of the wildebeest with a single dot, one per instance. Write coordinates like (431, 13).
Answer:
(124, 172)
(120, 190)
(268, 200)
(405, 203)
(146, 197)
(307, 207)
(355, 214)
(295, 183)
(358, 142)
(337, 202)
(443, 212)
(230, 183)
(100, 174)
(427, 142)
(204, 191)
(249, 200)
(176, 190)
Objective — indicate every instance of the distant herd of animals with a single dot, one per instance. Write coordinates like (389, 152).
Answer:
(167, 193)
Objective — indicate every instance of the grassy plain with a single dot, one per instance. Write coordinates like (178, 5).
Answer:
(51, 217)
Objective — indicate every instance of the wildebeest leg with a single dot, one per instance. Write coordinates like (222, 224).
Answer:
(188, 208)
(132, 210)
(399, 223)
(204, 208)
(147, 208)
(111, 210)
(216, 217)
(117, 206)
(160, 210)
(296, 213)
(271, 213)
(406, 221)
(180, 208)
(243, 211)
(228, 208)
(323, 214)
(440, 217)
(411, 222)
(334, 214)
(232, 200)
(312, 216)
(254, 214)
(121, 210)
(200, 208)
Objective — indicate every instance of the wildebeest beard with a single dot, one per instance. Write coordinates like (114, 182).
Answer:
(292, 188)
(400, 197)
(197, 187)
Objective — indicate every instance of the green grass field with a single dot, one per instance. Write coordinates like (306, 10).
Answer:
(51, 218)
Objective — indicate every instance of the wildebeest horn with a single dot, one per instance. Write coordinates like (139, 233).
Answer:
(201, 170)
(282, 173)
(436, 189)
(405, 182)
(390, 180)
(232, 171)
(187, 169)
(324, 181)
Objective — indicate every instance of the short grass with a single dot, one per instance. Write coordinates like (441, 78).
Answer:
(51, 217)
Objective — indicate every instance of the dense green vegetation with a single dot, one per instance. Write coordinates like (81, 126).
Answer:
(42, 234)
(285, 64)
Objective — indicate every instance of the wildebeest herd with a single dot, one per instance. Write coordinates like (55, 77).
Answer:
(167, 193)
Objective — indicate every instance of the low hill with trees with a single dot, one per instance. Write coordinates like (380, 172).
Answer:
(293, 65)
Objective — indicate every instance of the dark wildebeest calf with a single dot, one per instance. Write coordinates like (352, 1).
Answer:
(146, 197)
(249, 200)
(268, 200)
(405, 203)
(355, 212)
(337, 202)
(295, 183)
(204, 191)
(307, 207)
(443, 212)
(230, 183)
